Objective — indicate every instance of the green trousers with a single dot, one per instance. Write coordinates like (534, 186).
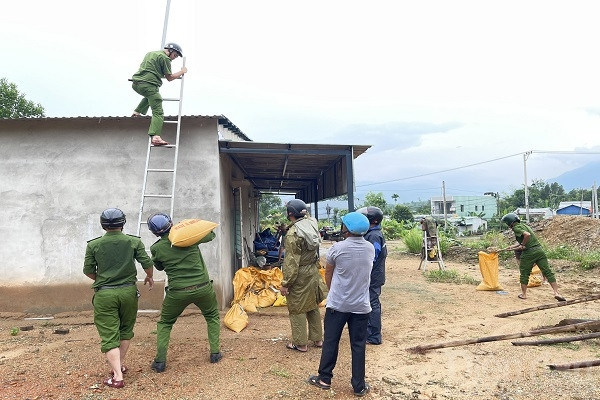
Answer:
(174, 304)
(529, 257)
(115, 312)
(152, 99)
(315, 328)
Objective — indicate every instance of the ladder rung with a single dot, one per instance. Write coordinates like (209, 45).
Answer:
(172, 146)
(160, 170)
(170, 122)
(166, 196)
(171, 99)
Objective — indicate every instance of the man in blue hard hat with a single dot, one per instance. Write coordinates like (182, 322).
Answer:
(348, 275)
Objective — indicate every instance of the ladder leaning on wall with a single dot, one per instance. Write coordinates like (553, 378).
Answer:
(148, 192)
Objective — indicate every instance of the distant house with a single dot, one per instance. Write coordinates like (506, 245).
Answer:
(468, 224)
(574, 208)
(464, 206)
(535, 214)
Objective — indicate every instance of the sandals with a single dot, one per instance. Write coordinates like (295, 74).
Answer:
(292, 346)
(318, 343)
(124, 369)
(363, 392)
(110, 382)
(559, 298)
(521, 297)
(316, 381)
(159, 142)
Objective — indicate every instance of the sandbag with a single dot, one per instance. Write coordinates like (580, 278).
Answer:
(190, 231)
(281, 301)
(535, 277)
(249, 302)
(236, 318)
(488, 265)
(266, 297)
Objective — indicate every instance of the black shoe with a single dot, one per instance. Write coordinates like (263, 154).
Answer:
(158, 366)
(215, 357)
(364, 391)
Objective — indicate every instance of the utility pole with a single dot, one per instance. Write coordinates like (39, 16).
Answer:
(444, 197)
(525, 156)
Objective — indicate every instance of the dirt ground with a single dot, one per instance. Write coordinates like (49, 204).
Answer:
(41, 364)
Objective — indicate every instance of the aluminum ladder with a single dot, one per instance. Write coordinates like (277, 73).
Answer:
(431, 252)
(147, 192)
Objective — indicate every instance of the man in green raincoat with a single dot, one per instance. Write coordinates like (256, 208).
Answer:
(301, 277)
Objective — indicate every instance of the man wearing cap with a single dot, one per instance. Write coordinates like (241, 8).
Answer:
(110, 263)
(348, 275)
(147, 81)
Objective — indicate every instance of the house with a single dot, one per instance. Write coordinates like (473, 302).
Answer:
(535, 214)
(574, 208)
(60, 173)
(464, 206)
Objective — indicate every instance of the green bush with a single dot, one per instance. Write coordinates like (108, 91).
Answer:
(392, 229)
(413, 240)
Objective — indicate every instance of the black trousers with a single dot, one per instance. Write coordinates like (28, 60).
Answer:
(357, 329)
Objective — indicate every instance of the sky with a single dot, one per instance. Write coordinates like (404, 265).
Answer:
(447, 93)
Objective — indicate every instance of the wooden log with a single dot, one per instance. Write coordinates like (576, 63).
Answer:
(536, 332)
(558, 340)
(547, 306)
(579, 364)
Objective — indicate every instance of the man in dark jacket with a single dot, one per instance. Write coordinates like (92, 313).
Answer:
(375, 236)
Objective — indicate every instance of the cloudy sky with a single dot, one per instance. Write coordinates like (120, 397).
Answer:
(433, 86)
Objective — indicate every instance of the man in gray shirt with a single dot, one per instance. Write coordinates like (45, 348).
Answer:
(348, 275)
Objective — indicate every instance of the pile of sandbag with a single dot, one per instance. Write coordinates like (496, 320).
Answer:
(253, 288)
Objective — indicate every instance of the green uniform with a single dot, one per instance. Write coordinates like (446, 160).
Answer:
(533, 254)
(188, 284)
(301, 276)
(146, 81)
(112, 258)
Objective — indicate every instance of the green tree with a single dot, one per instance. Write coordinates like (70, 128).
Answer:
(376, 200)
(271, 210)
(13, 104)
(401, 213)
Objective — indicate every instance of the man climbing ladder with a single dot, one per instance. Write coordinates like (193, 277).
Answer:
(147, 81)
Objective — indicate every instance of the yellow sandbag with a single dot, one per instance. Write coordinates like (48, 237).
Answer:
(190, 231)
(266, 297)
(281, 301)
(242, 280)
(488, 265)
(323, 287)
(249, 302)
(535, 277)
(236, 318)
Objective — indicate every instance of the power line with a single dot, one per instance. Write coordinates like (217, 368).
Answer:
(479, 163)
(439, 172)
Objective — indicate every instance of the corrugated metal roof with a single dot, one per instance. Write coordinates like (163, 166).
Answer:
(312, 172)
(223, 120)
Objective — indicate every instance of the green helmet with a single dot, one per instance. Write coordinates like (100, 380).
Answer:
(510, 219)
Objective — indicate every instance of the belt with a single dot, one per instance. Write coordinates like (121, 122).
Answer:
(113, 286)
(534, 246)
(187, 288)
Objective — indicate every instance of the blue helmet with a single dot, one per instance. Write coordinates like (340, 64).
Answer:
(159, 223)
(356, 223)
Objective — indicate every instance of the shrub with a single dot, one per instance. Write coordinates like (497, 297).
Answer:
(413, 240)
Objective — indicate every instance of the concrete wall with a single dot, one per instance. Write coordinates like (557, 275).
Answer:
(57, 177)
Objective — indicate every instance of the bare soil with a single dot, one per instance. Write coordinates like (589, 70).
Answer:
(41, 364)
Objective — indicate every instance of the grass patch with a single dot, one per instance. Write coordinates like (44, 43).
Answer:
(449, 276)
(569, 346)
(413, 239)
(279, 372)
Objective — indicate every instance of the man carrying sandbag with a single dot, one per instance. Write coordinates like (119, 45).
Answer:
(301, 277)
(188, 283)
